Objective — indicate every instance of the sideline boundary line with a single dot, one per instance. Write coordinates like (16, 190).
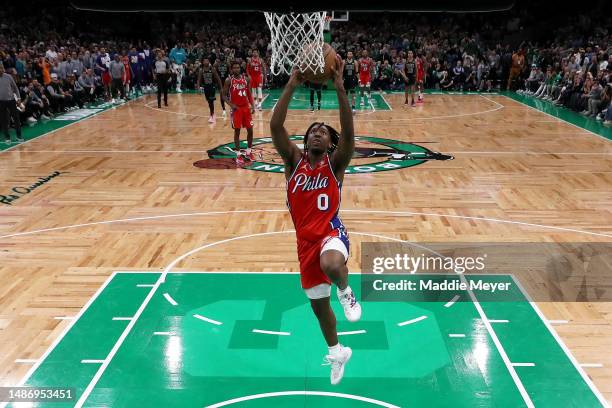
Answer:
(70, 124)
(59, 338)
(561, 344)
(558, 118)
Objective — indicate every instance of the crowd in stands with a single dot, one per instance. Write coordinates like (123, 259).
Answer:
(570, 67)
(581, 82)
(63, 59)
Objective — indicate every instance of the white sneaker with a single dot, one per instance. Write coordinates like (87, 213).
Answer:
(352, 308)
(31, 120)
(211, 119)
(44, 117)
(179, 90)
(337, 361)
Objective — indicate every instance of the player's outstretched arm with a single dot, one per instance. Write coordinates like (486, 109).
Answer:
(346, 145)
(289, 152)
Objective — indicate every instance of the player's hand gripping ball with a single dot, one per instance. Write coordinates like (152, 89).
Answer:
(318, 76)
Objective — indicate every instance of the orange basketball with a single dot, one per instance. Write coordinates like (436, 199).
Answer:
(329, 56)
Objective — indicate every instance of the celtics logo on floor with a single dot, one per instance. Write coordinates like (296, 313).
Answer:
(372, 154)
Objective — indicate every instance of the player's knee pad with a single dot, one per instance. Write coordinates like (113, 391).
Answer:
(320, 291)
(336, 244)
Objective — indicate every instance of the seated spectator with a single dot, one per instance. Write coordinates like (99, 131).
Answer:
(593, 66)
(74, 88)
(532, 82)
(58, 99)
(593, 100)
(558, 84)
(579, 89)
(39, 91)
(34, 106)
(469, 84)
(458, 75)
(88, 84)
(435, 74)
(446, 82)
(544, 84)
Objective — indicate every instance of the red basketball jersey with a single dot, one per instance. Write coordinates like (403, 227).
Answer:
(239, 92)
(420, 67)
(313, 198)
(254, 67)
(365, 64)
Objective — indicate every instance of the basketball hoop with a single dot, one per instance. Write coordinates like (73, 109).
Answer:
(297, 40)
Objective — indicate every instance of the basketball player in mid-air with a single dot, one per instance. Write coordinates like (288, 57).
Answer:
(208, 78)
(350, 77)
(256, 70)
(238, 96)
(314, 180)
(366, 65)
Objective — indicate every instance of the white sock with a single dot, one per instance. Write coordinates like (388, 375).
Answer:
(248, 150)
(335, 349)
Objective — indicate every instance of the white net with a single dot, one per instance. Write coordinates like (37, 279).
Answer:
(297, 40)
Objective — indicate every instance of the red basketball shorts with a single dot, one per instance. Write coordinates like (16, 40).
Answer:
(364, 79)
(241, 118)
(106, 78)
(309, 254)
(256, 81)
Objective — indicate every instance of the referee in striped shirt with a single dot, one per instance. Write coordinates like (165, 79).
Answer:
(161, 73)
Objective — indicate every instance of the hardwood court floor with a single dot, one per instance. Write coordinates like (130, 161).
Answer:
(129, 198)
